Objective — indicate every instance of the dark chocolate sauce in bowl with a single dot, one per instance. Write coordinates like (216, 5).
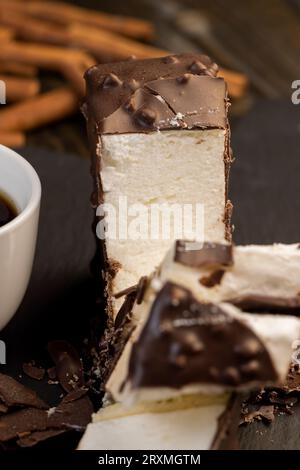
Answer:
(8, 210)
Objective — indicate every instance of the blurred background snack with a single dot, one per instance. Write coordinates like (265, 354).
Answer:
(47, 45)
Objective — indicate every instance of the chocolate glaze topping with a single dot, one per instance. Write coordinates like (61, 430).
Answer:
(267, 303)
(172, 92)
(207, 255)
(186, 342)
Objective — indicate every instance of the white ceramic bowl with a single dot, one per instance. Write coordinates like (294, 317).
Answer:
(17, 238)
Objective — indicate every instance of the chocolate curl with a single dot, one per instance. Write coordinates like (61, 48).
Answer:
(68, 365)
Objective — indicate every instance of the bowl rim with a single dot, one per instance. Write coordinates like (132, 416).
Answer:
(36, 191)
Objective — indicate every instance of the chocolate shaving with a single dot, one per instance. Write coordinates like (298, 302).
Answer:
(138, 289)
(282, 398)
(265, 412)
(73, 415)
(286, 401)
(13, 393)
(264, 303)
(14, 424)
(33, 372)
(31, 439)
(292, 383)
(141, 289)
(74, 395)
(125, 309)
(126, 292)
(110, 348)
(68, 365)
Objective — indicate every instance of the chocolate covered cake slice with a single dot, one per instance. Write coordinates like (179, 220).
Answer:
(180, 379)
(159, 135)
(182, 345)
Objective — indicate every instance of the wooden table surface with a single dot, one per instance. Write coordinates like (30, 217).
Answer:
(259, 38)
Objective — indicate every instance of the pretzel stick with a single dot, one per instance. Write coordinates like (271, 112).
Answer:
(98, 41)
(71, 63)
(22, 70)
(42, 55)
(31, 29)
(65, 14)
(12, 139)
(39, 111)
(6, 34)
(104, 45)
(18, 89)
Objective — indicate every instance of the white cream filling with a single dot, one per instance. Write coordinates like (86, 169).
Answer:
(174, 167)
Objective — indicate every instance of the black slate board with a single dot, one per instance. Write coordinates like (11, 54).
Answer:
(265, 192)
(60, 299)
(265, 177)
